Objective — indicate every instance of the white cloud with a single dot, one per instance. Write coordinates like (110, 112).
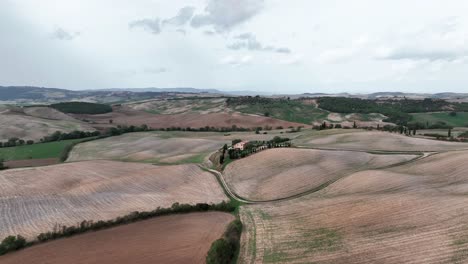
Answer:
(223, 15)
(151, 25)
(236, 60)
(62, 34)
(184, 16)
(155, 70)
(249, 41)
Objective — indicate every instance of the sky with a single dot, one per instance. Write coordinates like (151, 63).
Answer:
(273, 46)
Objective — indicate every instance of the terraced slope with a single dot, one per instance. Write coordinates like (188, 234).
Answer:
(169, 239)
(280, 173)
(34, 200)
(414, 213)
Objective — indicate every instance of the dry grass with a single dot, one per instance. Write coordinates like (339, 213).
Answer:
(168, 239)
(161, 147)
(33, 200)
(47, 113)
(147, 147)
(414, 213)
(168, 107)
(36, 123)
(364, 140)
(280, 173)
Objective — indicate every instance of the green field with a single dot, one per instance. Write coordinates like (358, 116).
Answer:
(36, 151)
(293, 111)
(460, 120)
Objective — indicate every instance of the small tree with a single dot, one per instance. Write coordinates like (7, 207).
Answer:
(450, 132)
(354, 124)
(453, 113)
(2, 166)
(235, 141)
(12, 243)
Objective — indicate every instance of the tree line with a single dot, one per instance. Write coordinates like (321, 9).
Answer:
(82, 108)
(13, 243)
(224, 250)
(253, 147)
(397, 111)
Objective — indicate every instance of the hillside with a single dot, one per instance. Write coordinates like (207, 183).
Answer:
(37, 122)
(179, 239)
(95, 190)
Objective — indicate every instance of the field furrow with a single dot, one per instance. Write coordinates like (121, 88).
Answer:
(33, 200)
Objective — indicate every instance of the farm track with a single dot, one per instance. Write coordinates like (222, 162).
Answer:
(228, 190)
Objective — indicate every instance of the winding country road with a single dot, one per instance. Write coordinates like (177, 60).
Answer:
(219, 175)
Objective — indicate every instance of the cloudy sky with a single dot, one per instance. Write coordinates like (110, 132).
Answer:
(273, 46)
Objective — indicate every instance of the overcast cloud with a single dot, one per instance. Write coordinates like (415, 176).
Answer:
(266, 45)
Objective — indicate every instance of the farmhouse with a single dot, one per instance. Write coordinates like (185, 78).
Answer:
(240, 145)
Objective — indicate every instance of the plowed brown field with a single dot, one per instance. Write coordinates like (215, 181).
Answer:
(378, 141)
(33, 200)
(127, 116)
(280, 173)
(414, 213)
(168, 239)
(149, 147)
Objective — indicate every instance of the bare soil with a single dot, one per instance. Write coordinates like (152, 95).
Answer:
(34, 200)
(169, 239)
(36, 123)
(375, 140)
(12, 164)
(414, 213)
(284, 172)
(126, 116)
(148, 147)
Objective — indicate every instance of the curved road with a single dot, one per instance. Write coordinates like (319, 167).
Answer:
(236, 197)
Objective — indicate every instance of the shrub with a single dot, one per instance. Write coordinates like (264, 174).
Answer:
(12, 243)
(224, 249)
(2, 166)
(220, 252)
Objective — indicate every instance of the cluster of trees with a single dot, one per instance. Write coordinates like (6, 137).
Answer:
(58, 135)
(233, 128)
(14, 141)
(427, 125)
(119, 130)
(82, 108)
(13, 243)
(251, 100)
(396, 110)
(223, 250)
(326, 125)
(255, 146)
(463, 135)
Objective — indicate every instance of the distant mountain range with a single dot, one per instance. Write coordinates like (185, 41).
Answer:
(31, 94)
